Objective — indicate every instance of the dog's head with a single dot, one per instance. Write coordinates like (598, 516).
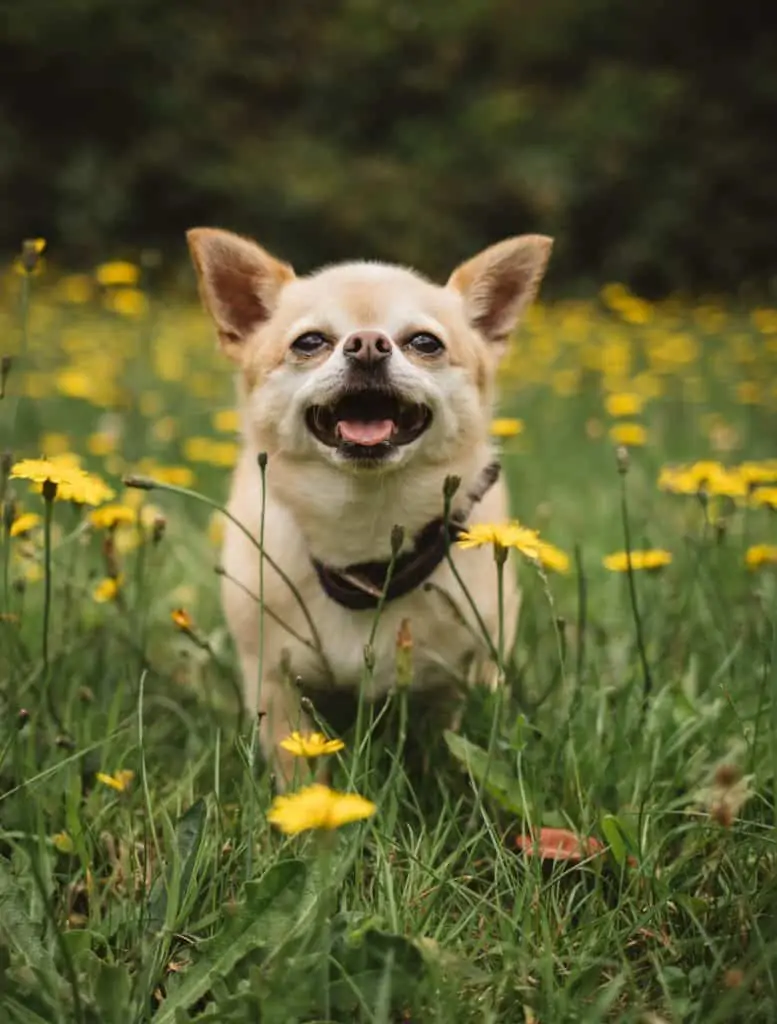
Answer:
(365, 365)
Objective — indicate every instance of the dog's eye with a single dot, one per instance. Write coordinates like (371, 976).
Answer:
(425, 344)
(309, 343)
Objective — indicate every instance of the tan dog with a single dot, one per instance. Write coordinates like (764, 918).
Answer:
(366, 386)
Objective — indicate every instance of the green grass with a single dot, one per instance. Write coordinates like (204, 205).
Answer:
(175, 900)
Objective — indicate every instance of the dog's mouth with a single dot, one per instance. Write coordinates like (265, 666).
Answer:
(368, 424)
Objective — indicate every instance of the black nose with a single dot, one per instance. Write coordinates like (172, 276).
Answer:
(366, 348)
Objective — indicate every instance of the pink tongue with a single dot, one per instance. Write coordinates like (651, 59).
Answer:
(365, 431)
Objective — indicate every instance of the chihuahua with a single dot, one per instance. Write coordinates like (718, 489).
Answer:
(363, 389)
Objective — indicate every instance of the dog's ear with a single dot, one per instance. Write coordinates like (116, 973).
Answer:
(239, 283)
(500, 282)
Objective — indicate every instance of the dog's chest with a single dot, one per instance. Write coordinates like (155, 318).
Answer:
(418, 631)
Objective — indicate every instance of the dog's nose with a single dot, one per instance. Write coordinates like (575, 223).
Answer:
(367, 347)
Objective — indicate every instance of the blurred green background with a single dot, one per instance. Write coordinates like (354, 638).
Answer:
(642, 136)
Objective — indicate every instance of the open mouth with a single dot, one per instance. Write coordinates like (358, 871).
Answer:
(369, 423)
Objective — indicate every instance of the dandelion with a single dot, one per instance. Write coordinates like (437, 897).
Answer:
(30, 261)
(101, 443)
(501, 536)
(318, 807)
(632, 435)
(551, 557)
(624, 403)
(72, 482)
(24, 523)
(55, 444)
(766, 497)
(129, 302)
(506, 427)
(121, 780)
(226, 421)
(313, 744)
(117, 273)
(655, 558)
(40, 470)
(110, 516)
(761, 554)
(107, 589)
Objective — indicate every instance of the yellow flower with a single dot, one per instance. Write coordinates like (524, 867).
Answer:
(101, 443)
(107, 589)
(551, 557)
(24, 523)
(118, 272)
(501, 535)
(633, 435)
(75, 289)
(216, 529)
(761, 554)
(765, 496)
(182, 619)
(55, 444)
(40, 470)
(73, 483)
(506, 427)
(226, 421)
(178, 476)
(313, 744)
(120, 780)
(711, 477)
(126, 302)
(624, 403)
(653, 559)
(63, 843)
(110, 516)
(318, 807)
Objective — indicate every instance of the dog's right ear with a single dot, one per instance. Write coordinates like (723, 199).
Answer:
(239, 283)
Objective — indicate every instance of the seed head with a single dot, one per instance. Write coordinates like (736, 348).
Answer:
(622, 459)
(397, 539)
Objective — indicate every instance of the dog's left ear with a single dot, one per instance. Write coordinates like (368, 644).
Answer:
(239, 283)
(500, 282)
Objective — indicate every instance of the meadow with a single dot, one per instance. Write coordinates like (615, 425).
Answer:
(597, 845)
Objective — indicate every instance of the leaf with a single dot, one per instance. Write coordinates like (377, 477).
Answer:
(501, 783)
(558, 844)
(247, 934)
(189, 830)
(614, 837)
(15, 923)
(112, 992)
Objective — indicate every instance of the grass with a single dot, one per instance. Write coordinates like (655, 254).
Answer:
(169, 897)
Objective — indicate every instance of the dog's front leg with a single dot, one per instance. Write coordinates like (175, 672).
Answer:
(280, 713)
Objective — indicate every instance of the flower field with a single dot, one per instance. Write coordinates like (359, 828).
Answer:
(597, 843)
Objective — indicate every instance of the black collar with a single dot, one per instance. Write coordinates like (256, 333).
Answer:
(361, 586)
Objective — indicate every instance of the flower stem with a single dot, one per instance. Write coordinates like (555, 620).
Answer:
(260, 670)
(500, 557)
(647, 679)
(148, 483)
(48, 509)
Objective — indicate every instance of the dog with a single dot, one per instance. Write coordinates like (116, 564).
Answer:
(362, 388)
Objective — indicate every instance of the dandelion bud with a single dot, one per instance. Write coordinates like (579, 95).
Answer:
(451, 485)
(22, 718)
(5, 368)
(306, 704)
(261, 458)
(622, 459)
(65, 743)
(6, 461)
(721, 528)
(9, 514)
(369, 657)
(404, 655)
(143, 483)
(158, 529)
(49, 490)
(31, 251)
(397, 539)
